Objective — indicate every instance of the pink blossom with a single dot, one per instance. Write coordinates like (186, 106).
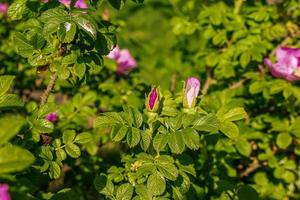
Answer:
(287, 64)
(52, 117)
(78, 4)
(191, 92)
(4, 192)
(124, 60)
(3, 8)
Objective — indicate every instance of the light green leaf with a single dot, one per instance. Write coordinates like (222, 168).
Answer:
(66, 32)
(209, 123)
(160, 141)
(73, 150)
(176, 142)
(191, 138)
(17, 9)
(283, 140)
(133, 137)
(229, 129)
(5, 83)
(118, 132)
(14, 159)
(146, 137)
(54, 170)
(83, 138)
(9, 127)
(156, 183)
(243, 147)
(68, 136)
(124, 192)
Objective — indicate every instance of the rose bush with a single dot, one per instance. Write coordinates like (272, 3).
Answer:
(93, 102)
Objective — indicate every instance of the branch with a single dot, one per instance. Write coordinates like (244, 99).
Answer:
(251, 168)
(173, 82)
(208, 82)
(237, 6)
(50, 86)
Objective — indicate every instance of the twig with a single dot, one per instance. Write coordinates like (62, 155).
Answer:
(208, 82)
(50, 86)
(238, 84)
(251, 168)
(173, 82)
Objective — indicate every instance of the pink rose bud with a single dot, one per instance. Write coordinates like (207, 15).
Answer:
(4, 192)
(287, 64)
(3, 8)
(124, 60)
(152, 102)
(52, 117)
(191, 92)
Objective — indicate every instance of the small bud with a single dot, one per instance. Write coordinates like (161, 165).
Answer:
(52, 117)
(4, 192)
(191, 92)
(152, 100)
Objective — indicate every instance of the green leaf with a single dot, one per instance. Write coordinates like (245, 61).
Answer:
(234, 114)
(191, 138)
(246, 192)
(117, 4)
(17, 9)
(23, 46)
(68, 136)
(243, 147)
(118, 132)
(209, 123)
(9, 127)
(103, 185)
(5, 83)
(14, 159)
(143, 192)
(176, 142)
(73, 150)
(245, 59)
(166, 167)
(10, 100)
(66, 194)
(156, 183)
(229, 129)
(124, 192)
(133, 137)
(83, 138)
(160, 141)
(79, 70)
(54, 170)
(109, 119)
(61, 154)
(146, 137)
(86, 24)
(66, 32)
(283, 140)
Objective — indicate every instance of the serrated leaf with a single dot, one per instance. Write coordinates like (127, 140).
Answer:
(160, 141)
(176, 142)
(156, 183)
(146, 137)
(234, 114)
(17, 9)
(229, 129)
(191, 138)
(43, 125)
(61, 154)
(118, 132)
(14, 159)
(23, 46)
(54, 170)
(73, 150)
(133, 137)
(83, 138)
(79, 70)
(209, 123)
(68, 136)
(124, 192)
(5, 83)
(243, 147)
(108, 119)
(66, 32)
(10, 101)
(166, 167)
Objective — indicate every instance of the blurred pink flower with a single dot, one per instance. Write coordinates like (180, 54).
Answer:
(191, 92)
(52, 117)
(287, 64)
(124, 60)
(3, 8)
(78, 4)
(4, 192)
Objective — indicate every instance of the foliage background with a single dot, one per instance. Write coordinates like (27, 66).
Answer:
(223, 43)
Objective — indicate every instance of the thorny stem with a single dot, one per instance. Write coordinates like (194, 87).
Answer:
(50, 86)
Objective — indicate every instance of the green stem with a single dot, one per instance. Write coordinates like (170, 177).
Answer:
(237, 6)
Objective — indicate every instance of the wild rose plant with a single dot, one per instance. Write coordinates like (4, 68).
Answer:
(4, 192)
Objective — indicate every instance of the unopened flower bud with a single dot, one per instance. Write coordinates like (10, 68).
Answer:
(52, 117)
(152, 102)
(4, 192)
(191, 92)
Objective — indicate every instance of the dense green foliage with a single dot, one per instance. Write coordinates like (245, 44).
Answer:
(240, 141)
